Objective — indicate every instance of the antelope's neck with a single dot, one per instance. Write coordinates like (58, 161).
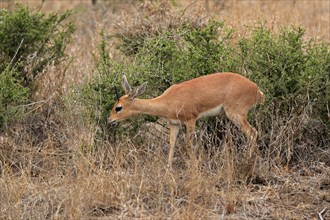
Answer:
(150, 107)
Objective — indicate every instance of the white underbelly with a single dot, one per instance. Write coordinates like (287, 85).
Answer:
(211, 112)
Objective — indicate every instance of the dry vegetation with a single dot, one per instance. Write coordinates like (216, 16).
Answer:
(49, 168)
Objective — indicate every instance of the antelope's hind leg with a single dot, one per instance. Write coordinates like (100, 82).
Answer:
(251, 134)
(249, 162)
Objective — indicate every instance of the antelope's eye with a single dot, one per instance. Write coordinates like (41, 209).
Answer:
(118, 109)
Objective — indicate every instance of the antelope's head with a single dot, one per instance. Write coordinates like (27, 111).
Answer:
(125, 106)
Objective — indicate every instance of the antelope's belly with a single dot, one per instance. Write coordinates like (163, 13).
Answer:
(211, 112)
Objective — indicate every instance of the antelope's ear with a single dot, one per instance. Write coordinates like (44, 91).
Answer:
(117, 93)
(138, 91)
(127, 88)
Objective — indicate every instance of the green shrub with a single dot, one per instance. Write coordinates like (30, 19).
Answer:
(29, 42)
(162, 60)
(292, 72)
(12, 96)
(32, 40)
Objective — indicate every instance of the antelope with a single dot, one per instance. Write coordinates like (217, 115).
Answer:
(186, 102)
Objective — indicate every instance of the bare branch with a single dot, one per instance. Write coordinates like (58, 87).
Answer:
(321, 213)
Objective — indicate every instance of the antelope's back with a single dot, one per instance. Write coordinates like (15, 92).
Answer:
(213, 88)
(208, 93)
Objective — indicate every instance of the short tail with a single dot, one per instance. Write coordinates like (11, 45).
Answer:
(260, 97)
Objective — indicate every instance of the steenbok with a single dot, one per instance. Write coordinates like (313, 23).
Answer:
(186, 102)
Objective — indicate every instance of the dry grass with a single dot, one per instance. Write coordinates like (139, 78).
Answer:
(50, 169)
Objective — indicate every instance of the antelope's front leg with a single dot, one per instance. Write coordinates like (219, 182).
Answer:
(174, 130)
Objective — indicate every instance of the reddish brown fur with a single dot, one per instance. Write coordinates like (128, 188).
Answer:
(185, 102)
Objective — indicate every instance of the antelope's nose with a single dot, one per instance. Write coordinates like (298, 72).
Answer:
(111, 121)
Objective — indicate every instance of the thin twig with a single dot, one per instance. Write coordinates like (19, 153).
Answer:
(19, 46)
(42, 102)
(321, 213)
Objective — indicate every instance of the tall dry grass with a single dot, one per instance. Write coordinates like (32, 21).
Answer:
(51, 169)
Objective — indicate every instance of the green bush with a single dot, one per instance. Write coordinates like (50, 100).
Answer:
(32, 40)
(12, 96)
(292, 72)
(162, 60)
(29, 42)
